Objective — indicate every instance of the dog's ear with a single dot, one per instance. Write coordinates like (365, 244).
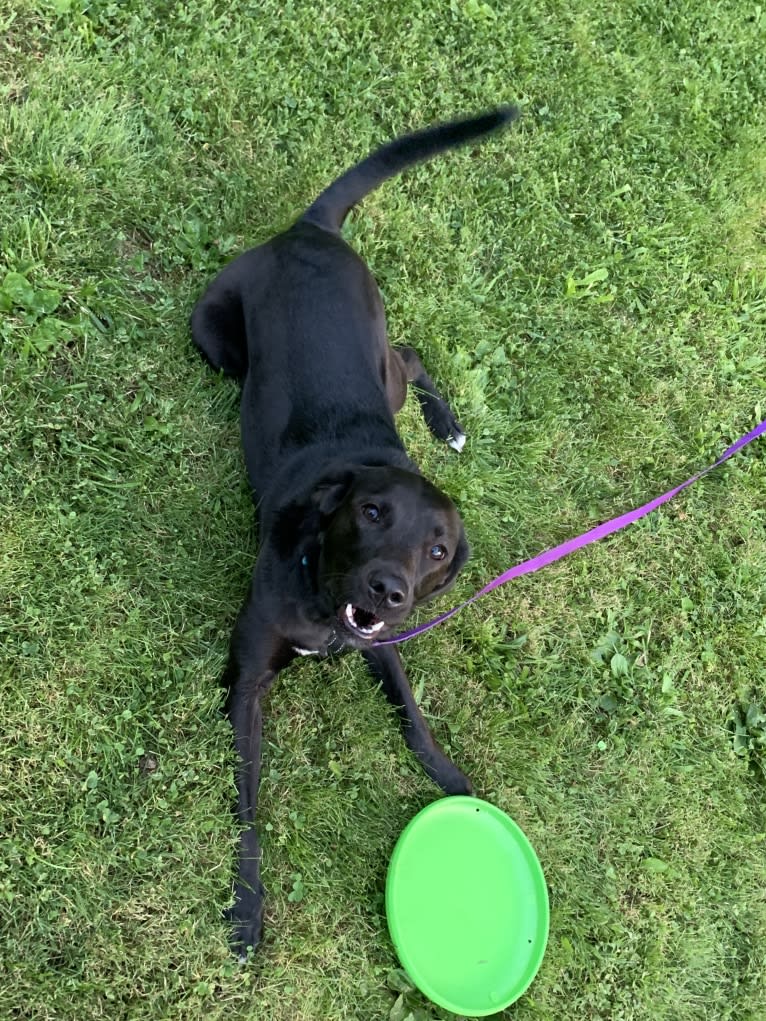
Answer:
(304, 517)
(332, 490)
(461, 554)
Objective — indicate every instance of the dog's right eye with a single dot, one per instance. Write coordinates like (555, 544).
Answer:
(371, 512)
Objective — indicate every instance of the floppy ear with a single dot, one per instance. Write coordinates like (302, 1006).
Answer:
(304, 517)
(459, 558)
(330, 493)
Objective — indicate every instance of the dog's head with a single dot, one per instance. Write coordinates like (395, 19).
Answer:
(390, 540)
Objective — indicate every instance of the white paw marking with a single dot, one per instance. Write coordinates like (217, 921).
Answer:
(305, 652)
(457, 442)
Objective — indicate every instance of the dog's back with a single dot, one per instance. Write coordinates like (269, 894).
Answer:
(218, 320)
(300, 321)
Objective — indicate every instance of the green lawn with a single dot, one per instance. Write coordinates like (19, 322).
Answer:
(590, 291)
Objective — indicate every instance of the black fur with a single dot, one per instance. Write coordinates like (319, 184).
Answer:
(352, 536)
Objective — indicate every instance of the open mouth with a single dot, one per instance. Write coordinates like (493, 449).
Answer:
(361, 622)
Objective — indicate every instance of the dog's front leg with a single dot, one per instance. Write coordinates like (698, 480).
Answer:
(254, 661)
(437, 413)
(386, 667)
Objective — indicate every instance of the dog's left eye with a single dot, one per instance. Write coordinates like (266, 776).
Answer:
(371, 512)
(438, 552)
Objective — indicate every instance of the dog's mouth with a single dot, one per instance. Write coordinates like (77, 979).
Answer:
(361, 622)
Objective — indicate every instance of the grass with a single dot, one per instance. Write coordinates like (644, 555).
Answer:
(590, 290)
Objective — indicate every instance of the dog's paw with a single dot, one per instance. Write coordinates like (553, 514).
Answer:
(457, 440)
(446, 774)
(442, 422)
(245, 918)
(458, 783)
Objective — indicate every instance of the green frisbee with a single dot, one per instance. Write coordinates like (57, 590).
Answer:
(467, 906)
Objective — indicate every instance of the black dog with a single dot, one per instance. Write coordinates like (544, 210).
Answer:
(352, 536)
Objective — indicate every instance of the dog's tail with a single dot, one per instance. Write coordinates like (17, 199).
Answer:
(332, 206)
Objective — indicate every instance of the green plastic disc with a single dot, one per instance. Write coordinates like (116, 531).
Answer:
(467, 906)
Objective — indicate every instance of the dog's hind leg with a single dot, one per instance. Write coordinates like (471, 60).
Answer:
(436, 411)
(218, 321)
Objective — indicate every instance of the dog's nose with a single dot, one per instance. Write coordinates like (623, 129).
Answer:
(387, 590)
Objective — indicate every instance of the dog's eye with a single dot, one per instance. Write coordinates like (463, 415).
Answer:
(438, 552)
(371, 512)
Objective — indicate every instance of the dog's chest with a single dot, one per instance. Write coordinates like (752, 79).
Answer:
(321, 643)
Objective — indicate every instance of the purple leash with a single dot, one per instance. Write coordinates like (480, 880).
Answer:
(599, 532)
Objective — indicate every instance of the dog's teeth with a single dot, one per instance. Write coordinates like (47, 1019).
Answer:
(457, 442)
(348, 613)
(372, 629)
